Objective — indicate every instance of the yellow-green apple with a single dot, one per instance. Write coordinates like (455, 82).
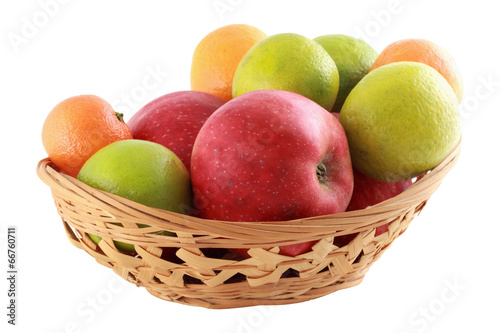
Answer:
(141, 171)
(173, 120)
(271, 155)
(368, 192)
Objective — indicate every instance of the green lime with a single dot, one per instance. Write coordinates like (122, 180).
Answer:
(353, 58)
(289, 62)
(141, 171)
(401, 120)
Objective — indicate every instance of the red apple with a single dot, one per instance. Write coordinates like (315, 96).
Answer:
(291, 250)
(271, 155)
(368, 192)
(173, 120)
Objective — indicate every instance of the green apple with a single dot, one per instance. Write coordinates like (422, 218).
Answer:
(290, 62)
(353, 58)
(141, 171)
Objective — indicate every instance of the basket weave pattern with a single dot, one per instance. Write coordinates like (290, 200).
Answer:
(197, 271)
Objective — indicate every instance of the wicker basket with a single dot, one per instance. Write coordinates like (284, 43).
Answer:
(194, 268)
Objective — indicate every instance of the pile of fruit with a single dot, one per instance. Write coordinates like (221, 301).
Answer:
(275, 128)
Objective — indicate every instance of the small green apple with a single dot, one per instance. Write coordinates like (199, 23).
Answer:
(141, 171)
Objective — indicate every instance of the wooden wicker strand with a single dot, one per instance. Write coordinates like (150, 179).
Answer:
(182, 269)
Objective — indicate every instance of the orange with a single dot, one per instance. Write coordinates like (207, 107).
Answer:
(77, 128)
(218, 54)
(424, 51)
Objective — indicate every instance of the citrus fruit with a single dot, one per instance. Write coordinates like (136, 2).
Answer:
(78, 127)
(217, 55)
(427, 52)
(142, 171)
(289, 62)
(400, 120)
(353, 58)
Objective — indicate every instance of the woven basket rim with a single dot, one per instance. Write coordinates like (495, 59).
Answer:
(305, 229)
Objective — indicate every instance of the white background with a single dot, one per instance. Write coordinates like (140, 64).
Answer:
(440, 276)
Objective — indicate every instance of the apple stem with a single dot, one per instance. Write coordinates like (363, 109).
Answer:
(321, 172)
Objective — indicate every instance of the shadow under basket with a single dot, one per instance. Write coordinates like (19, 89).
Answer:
(194, 267)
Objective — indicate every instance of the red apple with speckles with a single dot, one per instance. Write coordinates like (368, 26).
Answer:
(174, 120)
(368, 192)
(271, 155)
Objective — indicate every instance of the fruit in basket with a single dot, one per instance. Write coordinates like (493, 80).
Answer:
(353, 58)
(427, 52)
(173, 120)
(401, 120)
(368, 192)
(141, 171)
(289, 62)
(217, 55)
(274, 155)
(271, 156)
(78, 127)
